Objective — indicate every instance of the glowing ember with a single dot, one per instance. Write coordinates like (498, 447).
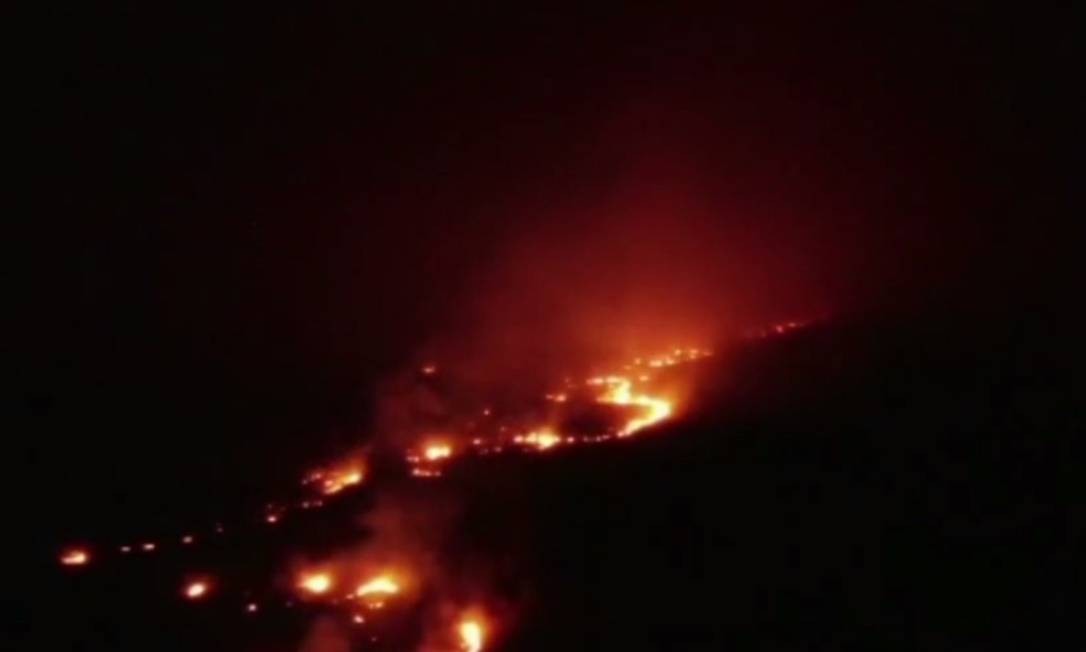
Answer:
(542, 439)
(316, 583)
(336, 481)
(618, 393)
(471, 635)
(75, 557)
(504, 431)
(434, 452)
(382, 585)
(196, 590)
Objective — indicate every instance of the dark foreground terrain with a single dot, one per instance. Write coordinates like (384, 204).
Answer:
(853, 486)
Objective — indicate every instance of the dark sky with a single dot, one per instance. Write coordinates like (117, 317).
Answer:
(246, 215)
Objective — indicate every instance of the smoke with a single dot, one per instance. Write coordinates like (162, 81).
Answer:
(326, 635)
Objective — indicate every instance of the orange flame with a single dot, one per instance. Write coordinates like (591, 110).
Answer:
(437, 451)
(336, 481)
(619, 392)
(316, 583)
(471, 633)
(540, 439)
(75, 557)
(196, 590)
(380, 585)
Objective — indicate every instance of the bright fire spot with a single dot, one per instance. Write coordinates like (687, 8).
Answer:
(75, 557)
(148, 547)
(381, 585)
(251, 608)
(187, 539)
(125, 549)
(429, 370)
(272, 518)
(619, 393)
(471, 635)
(196, 590)
(358, 619)
(434, 452)
(316, 583)
(542, 439)
(334, 481)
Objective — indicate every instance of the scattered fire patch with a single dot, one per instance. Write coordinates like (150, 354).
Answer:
(601, 408)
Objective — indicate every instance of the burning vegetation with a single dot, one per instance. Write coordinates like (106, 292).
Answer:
(366, 588)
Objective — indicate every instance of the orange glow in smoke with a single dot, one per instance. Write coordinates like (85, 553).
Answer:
(471, 633)
(75, 557)
(316, 583)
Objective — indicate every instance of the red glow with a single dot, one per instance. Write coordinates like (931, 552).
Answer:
(75, 557)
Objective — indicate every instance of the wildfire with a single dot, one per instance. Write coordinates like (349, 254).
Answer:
(633, 389)
(541, 439)
(75, 557)
(381, 585)
(435, 452)
(316, 583)
(196, 590)
(471, 635)
(619, 392)
(336, 483)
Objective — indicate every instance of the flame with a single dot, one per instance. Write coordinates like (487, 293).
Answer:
(75, 557)
(336, 481)
(316, 583)
(471, 634)
(437, 451)
(380, 585)
(619, 392)
(643, 407)
(541, 439)
(196, 590)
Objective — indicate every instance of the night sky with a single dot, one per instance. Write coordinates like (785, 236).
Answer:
(244, 220)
